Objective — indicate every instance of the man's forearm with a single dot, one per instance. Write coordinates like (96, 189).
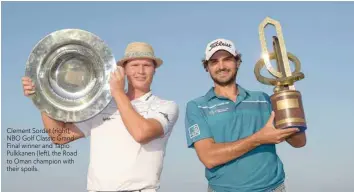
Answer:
(131, 119)
(221, 153)
(60, 132)
(51, 124)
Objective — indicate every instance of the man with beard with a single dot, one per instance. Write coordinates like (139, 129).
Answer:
(231, 129)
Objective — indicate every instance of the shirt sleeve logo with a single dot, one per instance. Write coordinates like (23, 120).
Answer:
(194, 131)
(166, 116)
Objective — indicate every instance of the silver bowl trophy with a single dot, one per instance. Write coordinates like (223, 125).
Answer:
(70, 69)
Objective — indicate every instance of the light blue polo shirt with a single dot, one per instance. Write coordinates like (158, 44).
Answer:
(211, 116)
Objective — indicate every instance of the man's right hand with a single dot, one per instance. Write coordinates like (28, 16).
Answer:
(60, 137)
(28, 86)
(270, 135)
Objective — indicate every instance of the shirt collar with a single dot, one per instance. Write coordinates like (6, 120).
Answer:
(143, 98)
(242, 93)
(210, 94)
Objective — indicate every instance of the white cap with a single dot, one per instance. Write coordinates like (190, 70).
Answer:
(219, 44)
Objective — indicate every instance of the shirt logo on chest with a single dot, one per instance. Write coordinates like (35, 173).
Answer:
(109, 114)
(107, 118)
(212, 112)
(217, 108)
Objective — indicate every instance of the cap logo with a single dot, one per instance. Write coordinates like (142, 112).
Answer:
(219, 43)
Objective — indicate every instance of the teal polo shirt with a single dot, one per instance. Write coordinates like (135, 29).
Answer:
(211, 116)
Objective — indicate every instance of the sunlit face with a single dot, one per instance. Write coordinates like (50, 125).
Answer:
(222, 67)
(140, 73)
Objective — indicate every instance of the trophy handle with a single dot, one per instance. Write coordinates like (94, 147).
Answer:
(282, 81)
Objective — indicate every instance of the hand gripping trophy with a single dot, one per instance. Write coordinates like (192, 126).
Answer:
(286, 101)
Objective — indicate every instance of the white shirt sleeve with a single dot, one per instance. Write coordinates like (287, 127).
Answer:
(85, 126)
(166, 112)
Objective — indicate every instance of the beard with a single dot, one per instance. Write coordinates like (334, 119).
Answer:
(229, 81)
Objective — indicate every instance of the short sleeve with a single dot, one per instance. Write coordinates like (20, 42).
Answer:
(195, 124)
(165, 112)
(85, 127)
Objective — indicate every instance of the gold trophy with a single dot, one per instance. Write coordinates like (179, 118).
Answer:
(286, 101)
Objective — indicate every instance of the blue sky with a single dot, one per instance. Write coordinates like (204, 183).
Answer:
(319, 34)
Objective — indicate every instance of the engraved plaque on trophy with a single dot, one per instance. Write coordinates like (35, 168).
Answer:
(286, 101)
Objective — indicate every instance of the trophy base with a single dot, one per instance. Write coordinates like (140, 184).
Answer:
(288, 109)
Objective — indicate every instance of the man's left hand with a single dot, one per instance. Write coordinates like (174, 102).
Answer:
(117, 81)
